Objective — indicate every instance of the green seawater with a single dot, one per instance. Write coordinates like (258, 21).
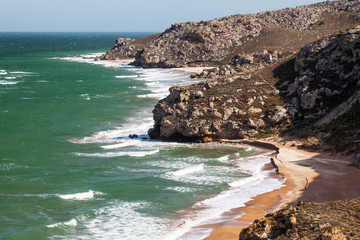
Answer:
(67, 167)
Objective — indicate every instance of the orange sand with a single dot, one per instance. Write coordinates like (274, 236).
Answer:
(309, 176)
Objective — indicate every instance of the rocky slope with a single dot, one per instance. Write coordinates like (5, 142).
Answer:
(274, 70)
(216, 41)
(312, 221)
(266, 89)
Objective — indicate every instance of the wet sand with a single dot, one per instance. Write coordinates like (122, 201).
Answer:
(310, 177)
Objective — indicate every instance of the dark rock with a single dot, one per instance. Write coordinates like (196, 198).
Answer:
(133, 136)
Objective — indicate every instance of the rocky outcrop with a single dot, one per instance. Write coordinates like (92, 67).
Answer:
(217, 109)
(122, 49)
(328, 73)
(243, 100)
(218, 40)
(196, 44)
(312, 221)
(241, 65)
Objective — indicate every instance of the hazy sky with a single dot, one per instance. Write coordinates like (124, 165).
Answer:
(120, 15)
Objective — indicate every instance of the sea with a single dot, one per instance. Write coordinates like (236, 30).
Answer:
(68, 168)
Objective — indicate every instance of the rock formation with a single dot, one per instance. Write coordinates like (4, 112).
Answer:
(236, 104)
(214, 41)
(122, 49)
(274, 69)
(328, 73)
(312, 221)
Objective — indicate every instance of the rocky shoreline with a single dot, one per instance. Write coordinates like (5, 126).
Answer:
(272, 72)
(294, 71)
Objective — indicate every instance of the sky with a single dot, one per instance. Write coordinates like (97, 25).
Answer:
(122, 15)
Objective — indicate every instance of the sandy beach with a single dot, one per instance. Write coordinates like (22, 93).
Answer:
(310, 177)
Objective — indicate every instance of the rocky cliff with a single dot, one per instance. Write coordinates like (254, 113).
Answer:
(312, 221)
(274, 70)
(266, 89)
(216, 41)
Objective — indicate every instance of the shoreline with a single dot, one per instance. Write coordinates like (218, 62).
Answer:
(190, 70)
(308, 178)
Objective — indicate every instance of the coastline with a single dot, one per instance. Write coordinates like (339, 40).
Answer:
(309, 177)
(190, 70)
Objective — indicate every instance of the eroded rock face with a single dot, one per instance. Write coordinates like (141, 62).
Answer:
(212, 41)
(328, 74)
(242, 65)
(122, 49)
(305, 221)
(195, 44)
(217, 109)
(271, 226)
(182, 115)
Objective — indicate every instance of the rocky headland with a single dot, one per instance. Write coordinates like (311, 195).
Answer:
(273, 71)
(293, 72)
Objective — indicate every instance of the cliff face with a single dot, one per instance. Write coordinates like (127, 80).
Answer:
(266, 89)
(308, 221)
(272, 70)
(217, 41)
(123, 48)
(196, 44)
(328, 74)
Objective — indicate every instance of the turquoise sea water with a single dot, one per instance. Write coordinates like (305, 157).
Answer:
(67, 167)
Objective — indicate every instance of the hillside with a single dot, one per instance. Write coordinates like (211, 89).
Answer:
(291, 71)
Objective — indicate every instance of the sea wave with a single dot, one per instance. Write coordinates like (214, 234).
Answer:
(3, 82)
(20, 72)
(211, 210)
(122, 144)
(185, 171)
(125, 220)
(80, 196)
(127, 76)
(119, 154)
(63, 225)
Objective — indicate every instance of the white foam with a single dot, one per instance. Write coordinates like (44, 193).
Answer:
(136, 125)
(127, 76)
(223, 158)
(19, 72)
(210, 210)
(3, 82)
(122, 220)
(157, 81)
(125, 143)
(118, 154)
(180, 189)
(79, 196)
(71, 223)
(186, 171)
(10, 78)
(3, 73)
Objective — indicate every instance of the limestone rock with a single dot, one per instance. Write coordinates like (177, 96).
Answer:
(333, 233)
(122, 49)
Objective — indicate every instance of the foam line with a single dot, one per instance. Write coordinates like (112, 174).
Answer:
(78, 196)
